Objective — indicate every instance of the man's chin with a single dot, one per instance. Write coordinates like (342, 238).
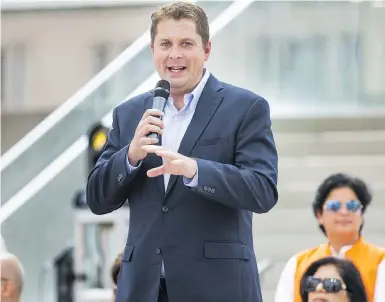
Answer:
(177, 84)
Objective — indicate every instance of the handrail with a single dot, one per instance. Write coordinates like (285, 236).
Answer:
(62, 161)
(59, 113)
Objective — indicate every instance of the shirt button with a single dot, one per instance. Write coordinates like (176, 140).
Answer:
(158, 251)
(164, 209)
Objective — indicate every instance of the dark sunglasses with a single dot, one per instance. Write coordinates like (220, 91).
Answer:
(330, 285)
(336, 205)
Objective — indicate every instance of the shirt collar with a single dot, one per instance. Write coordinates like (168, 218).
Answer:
(197, 92)
(342, 252)
(344, 249)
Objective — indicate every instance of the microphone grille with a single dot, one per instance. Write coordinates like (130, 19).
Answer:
(162, 89)
(163, 84)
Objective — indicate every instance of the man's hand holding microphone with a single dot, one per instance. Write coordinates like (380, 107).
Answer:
(147, 135)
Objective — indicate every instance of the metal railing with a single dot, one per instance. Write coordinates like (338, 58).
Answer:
(73, 151)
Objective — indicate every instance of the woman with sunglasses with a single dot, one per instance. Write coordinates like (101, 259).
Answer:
(339, 206)
(332, 280)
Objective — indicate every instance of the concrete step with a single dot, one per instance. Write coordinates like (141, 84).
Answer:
(317, 168)
(301, 193)
(280, 247)
(282, 220)
(333, 143)
(311, 124)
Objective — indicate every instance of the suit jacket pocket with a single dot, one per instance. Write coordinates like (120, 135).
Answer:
(128, 253)
(210, 149)
(226, 250)
(211, 141)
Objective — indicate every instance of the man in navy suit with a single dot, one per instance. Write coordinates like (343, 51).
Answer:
(191, 196)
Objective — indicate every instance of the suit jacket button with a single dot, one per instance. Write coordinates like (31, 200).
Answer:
(158, 251)
(164, 209)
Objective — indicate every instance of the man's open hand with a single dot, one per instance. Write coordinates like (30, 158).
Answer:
(173, 163)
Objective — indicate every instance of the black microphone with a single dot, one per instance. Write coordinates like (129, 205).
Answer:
(161, 94)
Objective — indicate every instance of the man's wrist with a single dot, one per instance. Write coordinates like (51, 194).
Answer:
(132, 161)
(193, 170)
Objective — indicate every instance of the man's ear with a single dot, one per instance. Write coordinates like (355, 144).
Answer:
(207, 50)
(152, 47)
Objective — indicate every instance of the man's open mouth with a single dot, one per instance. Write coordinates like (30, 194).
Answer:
(176, 69)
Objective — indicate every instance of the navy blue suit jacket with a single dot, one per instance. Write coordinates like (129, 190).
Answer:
(203, 234)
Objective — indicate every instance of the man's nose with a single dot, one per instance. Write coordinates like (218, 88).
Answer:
(175, 53)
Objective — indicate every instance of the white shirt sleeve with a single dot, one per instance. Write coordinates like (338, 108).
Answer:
(379, 291)
(285, 288)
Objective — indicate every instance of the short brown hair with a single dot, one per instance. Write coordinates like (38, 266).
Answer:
(182, 10)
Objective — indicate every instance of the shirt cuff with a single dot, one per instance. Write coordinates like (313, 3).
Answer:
(131, 168)
(191, 182)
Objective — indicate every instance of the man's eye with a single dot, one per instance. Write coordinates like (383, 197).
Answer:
(164, 44)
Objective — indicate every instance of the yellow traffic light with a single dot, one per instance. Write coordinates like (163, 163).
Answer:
(98, 140)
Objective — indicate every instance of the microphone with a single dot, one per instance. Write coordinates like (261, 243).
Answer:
(161, 94)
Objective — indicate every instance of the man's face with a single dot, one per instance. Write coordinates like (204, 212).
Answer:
(179, 54)
(340, 214)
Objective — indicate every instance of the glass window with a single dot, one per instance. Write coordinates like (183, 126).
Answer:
(302, 63)
(349, 60)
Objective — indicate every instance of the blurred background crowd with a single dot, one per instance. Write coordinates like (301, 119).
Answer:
(66, 64)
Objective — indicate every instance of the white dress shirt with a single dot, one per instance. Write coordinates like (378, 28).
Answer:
(285, 288)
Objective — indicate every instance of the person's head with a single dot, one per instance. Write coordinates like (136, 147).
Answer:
(115, 270)
(180, 42)
(12, 277)
(332, 280)
(339, 205)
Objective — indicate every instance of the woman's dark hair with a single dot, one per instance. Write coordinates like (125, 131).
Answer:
(115, 269)
(348, 272)
(337, 181)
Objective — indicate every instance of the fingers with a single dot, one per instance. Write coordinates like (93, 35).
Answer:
(147, 141)
(152, 112)
(162, 152)
(151, 120)
(144, 130)
(166, 154)
(156, 171)
(150, 124)
(152, 148)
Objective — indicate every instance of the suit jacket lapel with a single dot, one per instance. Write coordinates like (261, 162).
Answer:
(206, 107)
(155, 160)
